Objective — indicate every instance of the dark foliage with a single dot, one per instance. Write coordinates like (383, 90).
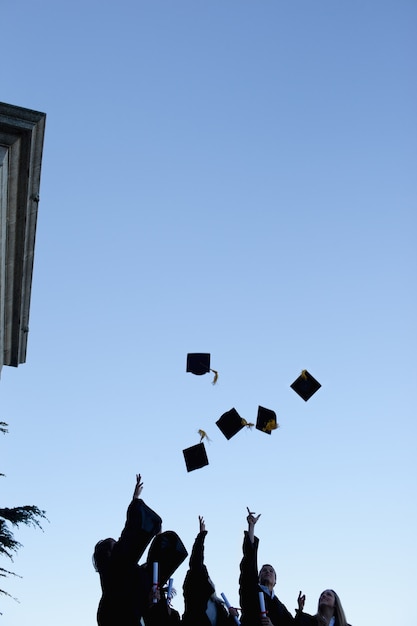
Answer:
(29, 515)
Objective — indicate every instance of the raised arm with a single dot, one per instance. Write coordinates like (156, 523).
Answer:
(197, 552)
(300, 617)
(142, 524)
(248, 579)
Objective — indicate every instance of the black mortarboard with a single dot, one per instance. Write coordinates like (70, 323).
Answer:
(305, 385)
(199, 363)
(230, 423)
(266, 420)
(195, 457)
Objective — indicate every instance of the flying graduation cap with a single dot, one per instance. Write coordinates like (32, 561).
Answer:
(196, 457)
(266, 420)
(230, 423)
(305, 385)
(198, 363)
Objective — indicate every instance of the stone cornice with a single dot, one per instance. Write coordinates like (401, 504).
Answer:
(21, 143)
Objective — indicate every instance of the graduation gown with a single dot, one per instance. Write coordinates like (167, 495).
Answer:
(304, 619)
(159, 615)
(198, 588)
(125, 586)
(249, 591)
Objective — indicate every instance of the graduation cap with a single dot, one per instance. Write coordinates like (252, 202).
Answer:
(266, 420)
(196, 456)
(305, 385)
(230, 423)
(198, 363)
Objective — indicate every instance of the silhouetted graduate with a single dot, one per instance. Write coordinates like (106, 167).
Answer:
(126, 585)
(202, 607)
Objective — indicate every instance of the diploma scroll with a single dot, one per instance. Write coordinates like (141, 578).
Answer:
(169, 591)
(262, 604)
(155, 583)
(227, 603)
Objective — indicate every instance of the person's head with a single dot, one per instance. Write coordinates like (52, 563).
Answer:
(169, 552)
(330, 600)
(102, 553)
(267, 576)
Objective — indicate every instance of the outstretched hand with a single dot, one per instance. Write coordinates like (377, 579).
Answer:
(301, 601)
(251, 517)
(138, 486)
(202, 523)
(233, 611)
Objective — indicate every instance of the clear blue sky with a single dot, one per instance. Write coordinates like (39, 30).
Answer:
(239, 178)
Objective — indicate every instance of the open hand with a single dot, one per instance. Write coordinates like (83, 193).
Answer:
(138, 486)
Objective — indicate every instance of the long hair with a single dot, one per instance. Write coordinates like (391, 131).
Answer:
(101, 555)
(338, 611)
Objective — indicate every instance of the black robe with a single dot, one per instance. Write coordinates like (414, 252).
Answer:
(249, 591)
(159, 615)
(125, 585)
(304, 619)
(198, 588)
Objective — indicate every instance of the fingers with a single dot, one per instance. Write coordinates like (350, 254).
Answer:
(251, 516)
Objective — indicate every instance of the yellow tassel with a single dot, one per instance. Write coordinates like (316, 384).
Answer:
(203, 435)
(270, 425)
(304, 374)
(247, 424)
(216, 376)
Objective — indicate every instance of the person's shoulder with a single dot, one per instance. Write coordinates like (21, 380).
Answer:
(175, 617)
(282, 608)
(304, 619)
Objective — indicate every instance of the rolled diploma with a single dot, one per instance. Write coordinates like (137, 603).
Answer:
(170, 582)
(155, 581)
(227, 603)
(262, 603)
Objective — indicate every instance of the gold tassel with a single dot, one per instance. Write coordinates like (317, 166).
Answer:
(247, 424)
(270, 425)
(203, 435)
(304, 374)
(216, 376)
